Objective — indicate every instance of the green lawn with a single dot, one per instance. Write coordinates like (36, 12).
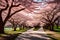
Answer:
(57, 29)
(10, 34)
(35, 29)
(10, 30)
(55, 35)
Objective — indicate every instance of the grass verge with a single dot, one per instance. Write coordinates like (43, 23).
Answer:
(10, 34)
(53, 35)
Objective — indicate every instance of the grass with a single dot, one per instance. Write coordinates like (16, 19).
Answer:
(57, 29)
(10, 30)
(10, 34)
(35, 29)
(54, 35)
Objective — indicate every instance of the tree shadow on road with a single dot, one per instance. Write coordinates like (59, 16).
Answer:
(29, 37)
(9, 36)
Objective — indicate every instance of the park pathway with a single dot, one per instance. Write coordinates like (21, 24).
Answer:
(33, 35)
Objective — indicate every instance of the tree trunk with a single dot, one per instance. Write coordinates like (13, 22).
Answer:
(20, 27)
(52, 27)
(15, 26)
(1, 28)
(1, 25)
(23, 27)
(57, 26)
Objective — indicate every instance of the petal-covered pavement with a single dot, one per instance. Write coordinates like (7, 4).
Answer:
(33, 35)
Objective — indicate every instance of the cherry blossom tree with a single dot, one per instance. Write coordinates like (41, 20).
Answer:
(51, 16)
(58, 22)
(6, 7)
(20, 20)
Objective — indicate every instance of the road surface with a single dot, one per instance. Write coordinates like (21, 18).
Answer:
(33, 35)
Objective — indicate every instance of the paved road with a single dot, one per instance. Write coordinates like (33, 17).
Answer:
(33, 35)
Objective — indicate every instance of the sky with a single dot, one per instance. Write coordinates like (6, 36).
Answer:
(42, 0)
(37, 0)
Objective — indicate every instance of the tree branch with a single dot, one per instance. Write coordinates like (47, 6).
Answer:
(17, 11)
(45, 19)
(16, 5)
(7, 5)
(56, 18)
(9, 10)
(55, 13)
